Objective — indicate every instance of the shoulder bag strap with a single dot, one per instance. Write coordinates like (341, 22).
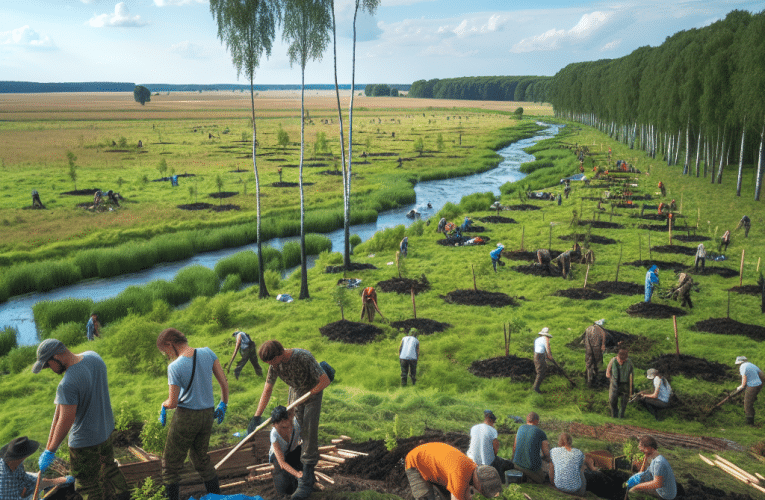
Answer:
(186, 394)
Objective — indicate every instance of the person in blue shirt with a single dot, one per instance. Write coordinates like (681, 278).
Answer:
(496, 255)
(94, 327)
(656, 477)
(651, 281)
(751, 382)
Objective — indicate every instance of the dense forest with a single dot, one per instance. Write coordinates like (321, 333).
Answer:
(697, 100)
(487, 88)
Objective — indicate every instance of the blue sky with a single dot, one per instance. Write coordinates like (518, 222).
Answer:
(175, 41)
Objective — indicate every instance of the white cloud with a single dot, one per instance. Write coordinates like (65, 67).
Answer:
(120, 19)
(165, 3)
(589, 25)
(189, 50)
(25, 37)
(611, 45)
(396, 3)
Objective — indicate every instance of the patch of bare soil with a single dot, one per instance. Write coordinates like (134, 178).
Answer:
(81, 192)
(654, 311)
(720, 271)
(195, 206)
(424, 326)
(350, 332)
(128, 437)
(600, 224)
(289, 184)
(619, 287)
(747, 290)
(662, 265)
(695, 489)
(599, 240)
(223, 194)
(479, 298)
(355, 266)
(691, 238)
(653, 227)
(404, 285)
(525, 254)
(615, 340)
(692, 367)
(331, 172)
(498, 219)
(523, 207)
(581, 294)
(224, 208)
(626, 205)
(475, 229)
(538, 270)
(727, 326)
(674, 249)
(505, 366)
(448, 243)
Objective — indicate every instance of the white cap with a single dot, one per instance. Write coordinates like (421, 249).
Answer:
(600, 322)
(546, 332)
(500, 245)
(740, 360)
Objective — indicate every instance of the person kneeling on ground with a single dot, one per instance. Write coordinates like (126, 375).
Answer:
(440, 466)
(531, 451)
(656, 477)
(659, 398)
(15, 482)
(285, 450)
(484, 445)
(568, 466)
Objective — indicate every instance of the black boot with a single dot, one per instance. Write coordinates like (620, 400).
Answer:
(305, 483)
(213, 486)
(173, 491)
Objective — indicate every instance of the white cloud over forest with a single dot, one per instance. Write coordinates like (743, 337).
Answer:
(25, 37)
(121, 18)
(588, 26)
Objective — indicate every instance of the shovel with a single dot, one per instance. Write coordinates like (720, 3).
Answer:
(573, 384)
(725, 399)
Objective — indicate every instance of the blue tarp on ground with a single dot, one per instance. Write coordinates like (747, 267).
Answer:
(213, 496)
(577, 177)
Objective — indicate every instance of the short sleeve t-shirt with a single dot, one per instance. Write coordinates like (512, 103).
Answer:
(528, 446)
(85, 385)
(278, 440)
(567, 465)
(246, 342)
(664, 389)
(660, 467)
(540, 345)
(481, 449)
(200, 395)
(442, 464)
(752, 374)
(301, 372)
(409, 345)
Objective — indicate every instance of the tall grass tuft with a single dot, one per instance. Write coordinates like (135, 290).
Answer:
(71, 334)
(244, 264)
(50, 314)
(169, 292)
(21, 358)
(7, 340)
(387, 240)
(273, 259)
(132, 299)
(199, 280)
(477, 202)
(54, 274)
(291, 254)
(232, 283)
(173, 247)
(141, 336)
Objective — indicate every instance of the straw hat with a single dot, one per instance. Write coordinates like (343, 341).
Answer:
(546, 332)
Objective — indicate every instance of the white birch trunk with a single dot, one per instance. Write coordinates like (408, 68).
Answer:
(758, 180)
(741, 160)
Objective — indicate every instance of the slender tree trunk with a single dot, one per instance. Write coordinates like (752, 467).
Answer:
(722, 160)
(686, 167)
(303, 258)
(698, 151)
(350, 125)
(758, 180)
(741, 160)
(677, 146)
(262, 289)
(714, 157)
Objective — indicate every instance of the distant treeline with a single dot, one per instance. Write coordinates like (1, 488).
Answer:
(485, 88)
(35, 87)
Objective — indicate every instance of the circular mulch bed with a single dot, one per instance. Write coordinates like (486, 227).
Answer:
(616, 340)
(653, 227)
(81, 192)
(525, 254)
(600, 224)
(424, 326)
(289, 184)
(350, 332)
(600, 240)
(355, 266)
(747, 289)
(625, 205)
(691, 238)
(522, 207)
(195, 206)
(691, 366)
(223, 194)
(674, 249)
(504, 366)
(331, 172)
(475, 229)
(497, 219)
(720, 271)
(619, 287)
(224, 208)
(581, 294)
(654, 311)
(479, 298)
(662, 265)
(538, 270)
(128, 437)
(727, 326)
(404, 285)
(446, 243)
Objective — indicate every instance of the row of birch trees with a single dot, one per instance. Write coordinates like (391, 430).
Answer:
(248, 29)
(697, 100)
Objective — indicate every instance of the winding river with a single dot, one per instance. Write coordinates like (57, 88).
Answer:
(17, 312)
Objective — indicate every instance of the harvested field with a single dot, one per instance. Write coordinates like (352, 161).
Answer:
(350, 332)
(747, 290)
(619, 287)
(423, 325)
(600, 224)
(662, 265)
(479, 298)
(691, 367)
(598, 240)
(404, 285)
(355, 266)
(727, 326)
(683, 250)
(497, 219)
(654, 311)
(581, 294)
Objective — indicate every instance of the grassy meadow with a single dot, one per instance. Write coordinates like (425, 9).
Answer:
(366, 400)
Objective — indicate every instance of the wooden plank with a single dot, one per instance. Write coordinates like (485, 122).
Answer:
(331, 458)
(738, 469)
(324, 477)
(327, 449)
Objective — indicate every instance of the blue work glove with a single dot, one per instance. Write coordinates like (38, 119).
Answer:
(69, 480)
(46, 458)
(254, 423)
(163, 416)
(220, 412)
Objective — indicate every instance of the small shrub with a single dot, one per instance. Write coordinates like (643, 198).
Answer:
(199, 280)
(354, 240)
(148, 491)
(273, 279)
(416, 229)
(71, 334)
(50, 314)
(232, 283)
(160, 311)
(125, 415)
(21, 358)
(153, 435)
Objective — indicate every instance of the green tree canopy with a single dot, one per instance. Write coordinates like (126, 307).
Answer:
(141, 94)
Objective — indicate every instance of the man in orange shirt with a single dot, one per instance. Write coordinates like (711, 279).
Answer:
(445, 467)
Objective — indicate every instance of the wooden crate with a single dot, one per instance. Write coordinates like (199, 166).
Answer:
(603, 459)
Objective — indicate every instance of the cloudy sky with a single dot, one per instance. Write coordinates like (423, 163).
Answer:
(175, 41)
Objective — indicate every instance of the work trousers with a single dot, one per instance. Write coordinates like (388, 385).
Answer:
(540, 364)
(248, 355)
(425, 489)
(408, 367)
(96, 474)
(593, 357)
(750, 396)
(618, 393)
(502, 465)
(284, 482)
(189, 434)
(308, 415)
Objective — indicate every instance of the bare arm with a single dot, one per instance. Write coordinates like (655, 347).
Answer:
(743, 382)
(173, 392)
(238, 345)
(495, 445)
(546, 451)
(222, 381)
(608, 368)
(323, 383)
(279, 454)
(62, 422)
(547, 345)
(654, 484)
(264, 399)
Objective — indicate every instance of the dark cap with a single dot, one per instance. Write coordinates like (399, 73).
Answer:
(18, 449)
(489, 414)
(45, 351)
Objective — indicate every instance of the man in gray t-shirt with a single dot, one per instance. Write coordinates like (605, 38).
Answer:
(484, 445)
(84, 411)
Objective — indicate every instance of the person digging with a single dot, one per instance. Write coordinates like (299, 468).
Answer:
(249, 350)
(594, 347)
(751, 383)
(369, 304)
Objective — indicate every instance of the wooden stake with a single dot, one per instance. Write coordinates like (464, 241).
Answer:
(549, 240)
(741, 471)
(758, 264)
(332, 458)
(414, 305)
(677, 344)
(507, 341)
(475, 286)
(640, 248)
(698, 217)
(587, 275)
(669, 225)
(741, 270)
(324, 477)
(523, 234)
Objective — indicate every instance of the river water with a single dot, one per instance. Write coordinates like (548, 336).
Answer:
(17, 312)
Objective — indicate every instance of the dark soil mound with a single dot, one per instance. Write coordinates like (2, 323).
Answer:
(720, 271)
(423, 325)
(195, 206)
(674, 249)
(522, 207)
(289, 184)
(446, 243)
(223, 194)
(619, 287)
(355, 266)
(727, 326)
(608, 484)
(82, 192)
(599, 240)
(691, 238)
(498, 219)
(404, 285)
(662, 265)
(625, 205)
(653, 227)
(747, 289)
(615, 340)
(504, 366)
(350, 332)
(331, 172)
(129, 437)
(654, 311)
(600, 224)
(690, 366)
(696, 490)
(525, 254)
(581, 294)
(475, 229)
(538, 270)
(224, 208)
(479, 298)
